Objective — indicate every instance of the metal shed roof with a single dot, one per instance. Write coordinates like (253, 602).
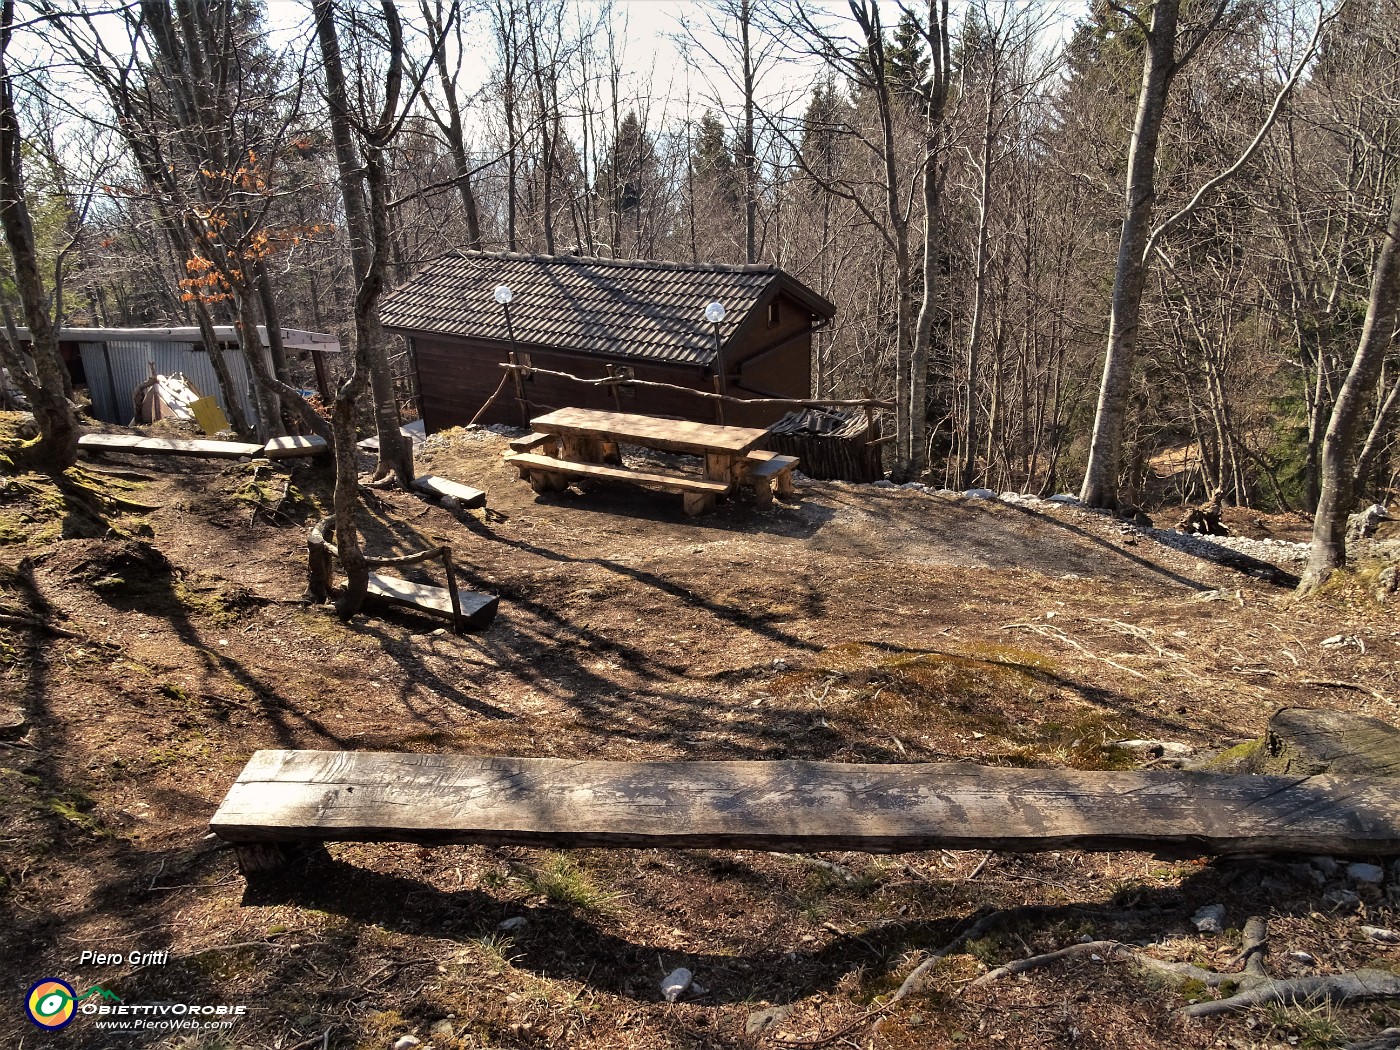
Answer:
(606, 307)
(225, 333)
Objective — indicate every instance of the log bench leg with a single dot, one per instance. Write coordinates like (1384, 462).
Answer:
(762, 489)
(266, 858)
(544, 482)
(783, 484)
(697, 503)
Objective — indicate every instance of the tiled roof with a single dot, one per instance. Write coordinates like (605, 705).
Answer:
(648, 310)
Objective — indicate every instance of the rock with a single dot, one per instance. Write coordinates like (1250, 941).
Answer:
(980, 494)
(442, 1030)
(917, 486)
(1155, 748)
(1302, 957)
(761, 1020)
(780, 665)
(1066, 498)
(1342, 900)
(675, 984)
(883, 483)
(1363, 525)
(515, 922)
(1381, 935)
(1327, 865)
(450, 503)
(1210, 919)
(1371, 874)
(407, 1042)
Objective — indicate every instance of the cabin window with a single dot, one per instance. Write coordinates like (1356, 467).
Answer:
(774, 315)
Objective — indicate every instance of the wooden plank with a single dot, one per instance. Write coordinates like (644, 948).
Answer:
(463, 494)
(666, 482)
(672, 435)
(135, 445)
(478, 610)
(295, 445)
(798, 806)
(769, 465)
(415, 432)
(530, 442)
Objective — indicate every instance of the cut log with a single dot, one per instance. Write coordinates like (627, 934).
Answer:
(797, 806)
(463, 494)
(152, 446)
(548, 443)
(1301, 742)
(295, 445)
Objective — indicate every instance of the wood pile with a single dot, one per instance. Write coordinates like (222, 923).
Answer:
(832, 445)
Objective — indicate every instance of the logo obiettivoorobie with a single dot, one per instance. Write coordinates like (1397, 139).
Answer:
(52, 1003)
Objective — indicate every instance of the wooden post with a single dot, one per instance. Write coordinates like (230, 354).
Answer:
(323, 384)
(452, 590)
(615, 389)
(519, 389)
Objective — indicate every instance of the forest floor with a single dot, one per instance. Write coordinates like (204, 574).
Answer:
(850, 624)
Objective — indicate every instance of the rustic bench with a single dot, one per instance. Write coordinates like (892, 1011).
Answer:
(311, 797)
(464, 608)
(767, 472)
(529, 442)
(548, 474)
(295, 445)
(463, 494)
(132, 444)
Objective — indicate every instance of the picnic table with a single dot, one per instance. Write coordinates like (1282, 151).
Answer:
(582, 442)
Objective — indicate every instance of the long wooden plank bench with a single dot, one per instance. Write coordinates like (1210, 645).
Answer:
(132, 444)
(546, 473)
(791, 806)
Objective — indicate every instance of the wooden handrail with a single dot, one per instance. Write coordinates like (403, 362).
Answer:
(863, 402)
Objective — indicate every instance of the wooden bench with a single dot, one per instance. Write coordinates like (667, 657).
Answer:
(132, 444)
(549, 443)
(548, 474)
(295, 445)
(463, 494)
(767, 472)
(464, 608)
(311, 797)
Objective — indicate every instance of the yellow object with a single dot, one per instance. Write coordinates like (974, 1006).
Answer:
(209, 415)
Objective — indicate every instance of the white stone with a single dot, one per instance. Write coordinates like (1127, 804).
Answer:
(407, 1042)
(1381, 935)
(980, 494)
(676, 983)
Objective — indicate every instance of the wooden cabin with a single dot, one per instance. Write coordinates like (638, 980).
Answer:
(597, 317)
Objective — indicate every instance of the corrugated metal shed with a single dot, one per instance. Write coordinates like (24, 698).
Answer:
(130, 361)
(650, 310)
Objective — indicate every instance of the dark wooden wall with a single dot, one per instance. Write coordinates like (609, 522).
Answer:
(456, 375)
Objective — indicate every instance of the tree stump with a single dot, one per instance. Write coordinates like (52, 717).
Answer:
(1303, 742)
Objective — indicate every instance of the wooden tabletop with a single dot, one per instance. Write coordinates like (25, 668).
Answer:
(671, 435)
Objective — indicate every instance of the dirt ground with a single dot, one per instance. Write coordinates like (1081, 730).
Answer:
(850, 624)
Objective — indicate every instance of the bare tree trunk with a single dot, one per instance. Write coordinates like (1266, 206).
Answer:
(1100, 487)
(749, 160)
(365, 230)
(1339, 447)
(57, 447)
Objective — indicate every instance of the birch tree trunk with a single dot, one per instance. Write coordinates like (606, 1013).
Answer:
(1329, 551)
(1100, 487)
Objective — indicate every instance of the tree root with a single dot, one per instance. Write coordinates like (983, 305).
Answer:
(1256, 987)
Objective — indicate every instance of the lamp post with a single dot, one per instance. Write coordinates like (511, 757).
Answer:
(503, 295)
(714, 313)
